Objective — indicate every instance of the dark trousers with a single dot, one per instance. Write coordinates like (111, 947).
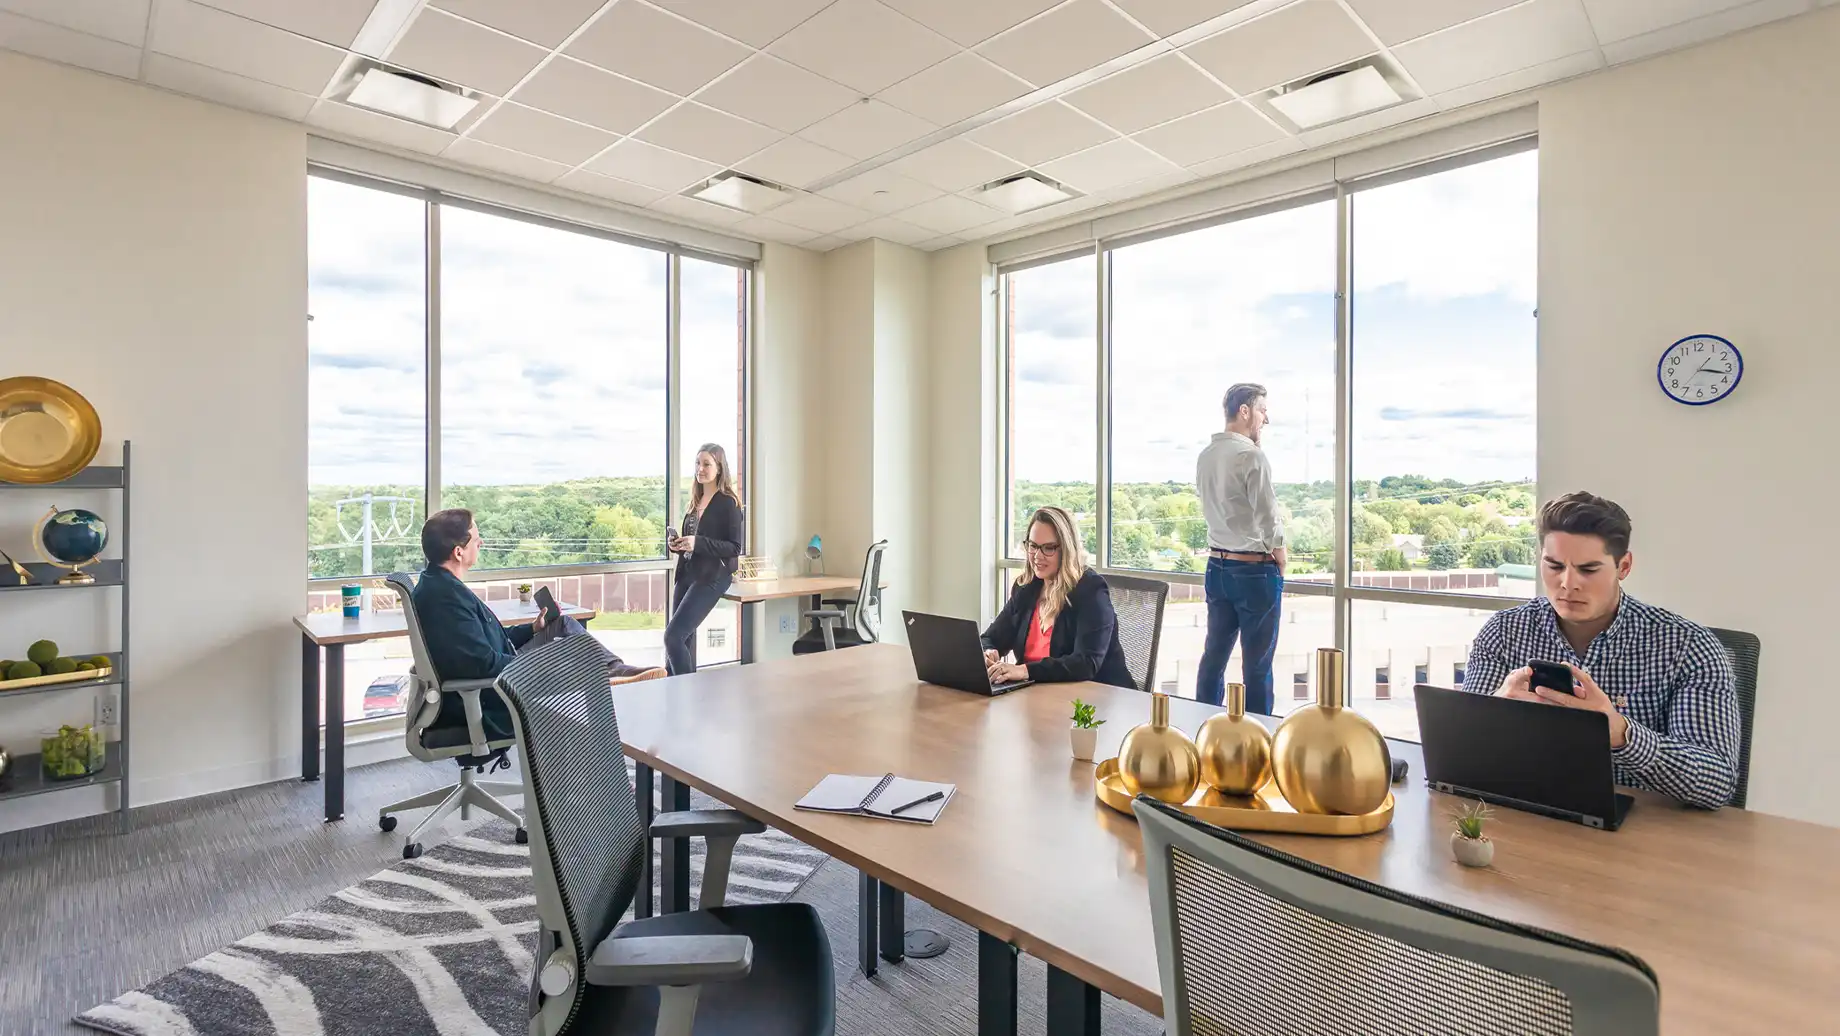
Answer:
(1244, 601)
(691, 603)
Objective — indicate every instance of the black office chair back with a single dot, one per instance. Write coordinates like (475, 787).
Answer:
(869, 594)
(586, 838)
(1743, 649)
(1257, 942)
(1139, 606)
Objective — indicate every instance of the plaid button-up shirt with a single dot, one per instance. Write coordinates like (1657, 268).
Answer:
(1669, 677)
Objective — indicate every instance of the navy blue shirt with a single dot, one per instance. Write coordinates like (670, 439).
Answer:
(465, 640)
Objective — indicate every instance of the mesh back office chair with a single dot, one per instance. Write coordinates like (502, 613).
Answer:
(1256, 942)
(1139, 605)
(849, 623)
(1743, 649)
(763, 970)
(466, 745)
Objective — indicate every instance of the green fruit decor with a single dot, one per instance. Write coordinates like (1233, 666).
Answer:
(23, 671)
(61, 666)
(44, 652)
(100, 662)
(86, 667)
(5, 664)
(71, 752)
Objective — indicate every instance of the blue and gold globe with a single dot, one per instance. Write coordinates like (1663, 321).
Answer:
(72, 539)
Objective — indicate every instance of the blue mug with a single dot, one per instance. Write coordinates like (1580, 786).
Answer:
(352, 595)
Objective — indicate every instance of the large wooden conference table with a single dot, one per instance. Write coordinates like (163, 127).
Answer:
(1737, 912)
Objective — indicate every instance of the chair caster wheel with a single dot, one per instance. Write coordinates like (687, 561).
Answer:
(386, 823)
(412, 850)
(523, 837)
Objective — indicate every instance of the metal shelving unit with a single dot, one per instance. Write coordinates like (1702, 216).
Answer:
(25, 777)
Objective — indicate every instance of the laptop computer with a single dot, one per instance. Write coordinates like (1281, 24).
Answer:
(1543, 758)
(947, 652)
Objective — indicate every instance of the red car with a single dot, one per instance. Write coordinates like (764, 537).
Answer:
(384, 696)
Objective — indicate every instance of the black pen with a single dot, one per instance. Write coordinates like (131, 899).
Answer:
(917, 802)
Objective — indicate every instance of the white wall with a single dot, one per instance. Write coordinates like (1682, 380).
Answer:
(901, 463)
(1697, 193)
(153, 256)
(963, 407)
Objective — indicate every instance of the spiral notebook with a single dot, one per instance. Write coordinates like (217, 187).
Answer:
(879, 797)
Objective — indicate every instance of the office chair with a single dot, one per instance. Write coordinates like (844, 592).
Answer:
(466, 745)
(848, 623)
(1139, 606)
(1743, 649)
(1256, 942)
(763, 970)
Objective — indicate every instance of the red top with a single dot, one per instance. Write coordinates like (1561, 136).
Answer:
(1037, 646)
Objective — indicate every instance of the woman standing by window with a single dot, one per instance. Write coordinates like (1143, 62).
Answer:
(707, 554)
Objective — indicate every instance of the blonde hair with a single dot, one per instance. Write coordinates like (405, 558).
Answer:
(725, 482)
(1056, 592)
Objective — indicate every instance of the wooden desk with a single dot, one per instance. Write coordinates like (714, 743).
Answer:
(330, 632)
(1737, 912)
(750, 594)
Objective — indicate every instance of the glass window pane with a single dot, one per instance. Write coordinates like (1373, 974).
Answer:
(1308, 623)
(1191, 315)
(712, 349)
(1051, 326)
(366, 380)
(553, 415)
(1429, 641)
(1443, 347)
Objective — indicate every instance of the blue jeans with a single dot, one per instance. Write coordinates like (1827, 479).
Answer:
(691, 603)
(1244, 600)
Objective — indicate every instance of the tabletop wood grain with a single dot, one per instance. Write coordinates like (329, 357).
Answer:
(749, 591)
(1737, 912)
(325, 628)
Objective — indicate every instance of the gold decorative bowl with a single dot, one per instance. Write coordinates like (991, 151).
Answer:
(48, 431)
(1264, 811)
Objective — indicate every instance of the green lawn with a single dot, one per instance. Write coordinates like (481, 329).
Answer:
(627, 621)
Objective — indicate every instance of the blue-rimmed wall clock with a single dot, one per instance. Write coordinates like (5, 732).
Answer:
(1700, 369)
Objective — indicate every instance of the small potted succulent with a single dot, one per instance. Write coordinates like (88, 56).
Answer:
(1085, 730)
(523, 590)
(1467, 843)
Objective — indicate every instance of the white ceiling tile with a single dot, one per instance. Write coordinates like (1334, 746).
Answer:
(1168, 17)
(1070, 39)
(224, 88)
(953, 165)
(937, 243)
(1247, 158)
(754, 22)
(970, 22)
(697, 211)
(692, 129)
(899, 231)
(1620, 19)
(769, 229)
(457, 51)
(955, 89)
(55, 43)
(330, 21)
(1535, 32)
(1397, 114)
(1040, 133)
(1149, 94)
(1699, 30)
(207, 36)
(1525, 79)
(851, 235)
(777, 94)
(608, 187)
(588, 94)
(863, 45)
(867, 129)
(1112, 164)
(881, 191)
(657, 48)
(820, 215)
(825, 243)
(124, 21)
(1148, 186)
(795, 162)
(1396, 22)
(951, 214)
(1211, 134)
(546, 22)
(541, 134)
(368, 125)
(502, 160)
(1292, 42)
(653, 167)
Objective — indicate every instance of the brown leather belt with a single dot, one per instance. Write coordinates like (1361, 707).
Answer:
(1239, 555)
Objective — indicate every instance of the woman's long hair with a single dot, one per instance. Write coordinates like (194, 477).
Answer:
(1056, 592)
(724, 483)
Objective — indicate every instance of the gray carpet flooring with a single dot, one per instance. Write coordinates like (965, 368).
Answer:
(88, 911)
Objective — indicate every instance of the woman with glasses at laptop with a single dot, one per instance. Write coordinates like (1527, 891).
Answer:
(1059, 624)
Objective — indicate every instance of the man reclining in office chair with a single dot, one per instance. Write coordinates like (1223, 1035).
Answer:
(465, 640)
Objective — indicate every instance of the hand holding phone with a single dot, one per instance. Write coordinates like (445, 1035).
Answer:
(1554, 676)
(547, 609)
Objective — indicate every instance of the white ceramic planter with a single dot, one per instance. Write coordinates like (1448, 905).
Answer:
(1472, 852)
(524, 597)
(1084, 742)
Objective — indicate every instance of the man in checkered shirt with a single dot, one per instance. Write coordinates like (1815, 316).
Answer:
(1665, 683)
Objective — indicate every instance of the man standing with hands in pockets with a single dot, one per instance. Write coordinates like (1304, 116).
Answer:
(1245, 569)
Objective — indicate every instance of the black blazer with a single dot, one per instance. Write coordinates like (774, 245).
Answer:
(718, 543)
(1084, 644)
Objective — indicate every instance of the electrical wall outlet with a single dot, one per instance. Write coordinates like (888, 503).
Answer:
(785, 624)
(108, 710)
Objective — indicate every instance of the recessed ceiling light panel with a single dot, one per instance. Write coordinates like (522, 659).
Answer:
(412, 97)
(1023, 192)
(1332, 98)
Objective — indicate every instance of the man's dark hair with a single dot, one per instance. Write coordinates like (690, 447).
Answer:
(1586, 514)
(1243, 394)
(443, 532)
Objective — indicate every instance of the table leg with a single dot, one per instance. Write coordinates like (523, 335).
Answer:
(309, 709)
(642, 793)
(335, 732)
(892, 903)
(996, 987)
(750, 610)
(867, 892)
(674, 854)
(1073, 1006)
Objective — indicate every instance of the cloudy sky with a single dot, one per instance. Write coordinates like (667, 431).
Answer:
(1443, 338)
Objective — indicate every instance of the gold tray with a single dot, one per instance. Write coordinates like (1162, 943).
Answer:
(40, 681)
(1265, 811)
(48, 431)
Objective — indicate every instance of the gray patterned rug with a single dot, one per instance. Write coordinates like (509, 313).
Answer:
(435, 946)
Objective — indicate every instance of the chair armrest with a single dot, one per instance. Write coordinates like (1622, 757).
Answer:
(670, 960)
(457, 686)
(823, 614)
(840, 602)
(704, 823)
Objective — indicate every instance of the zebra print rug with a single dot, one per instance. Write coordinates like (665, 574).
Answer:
(436, 946)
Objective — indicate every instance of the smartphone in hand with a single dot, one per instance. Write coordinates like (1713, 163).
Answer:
(548, 610)
(1552, 675)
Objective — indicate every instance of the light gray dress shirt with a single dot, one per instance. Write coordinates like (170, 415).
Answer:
(1233, 479)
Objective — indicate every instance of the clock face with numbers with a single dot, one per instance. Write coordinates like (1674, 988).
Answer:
(1700, 369)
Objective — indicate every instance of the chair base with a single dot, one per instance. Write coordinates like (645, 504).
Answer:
(471, 793)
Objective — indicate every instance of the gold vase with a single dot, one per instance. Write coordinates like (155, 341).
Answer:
(1327, 758)
(1159, 760)
(1235, 751)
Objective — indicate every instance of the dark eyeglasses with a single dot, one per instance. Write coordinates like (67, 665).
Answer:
(1044, 549)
